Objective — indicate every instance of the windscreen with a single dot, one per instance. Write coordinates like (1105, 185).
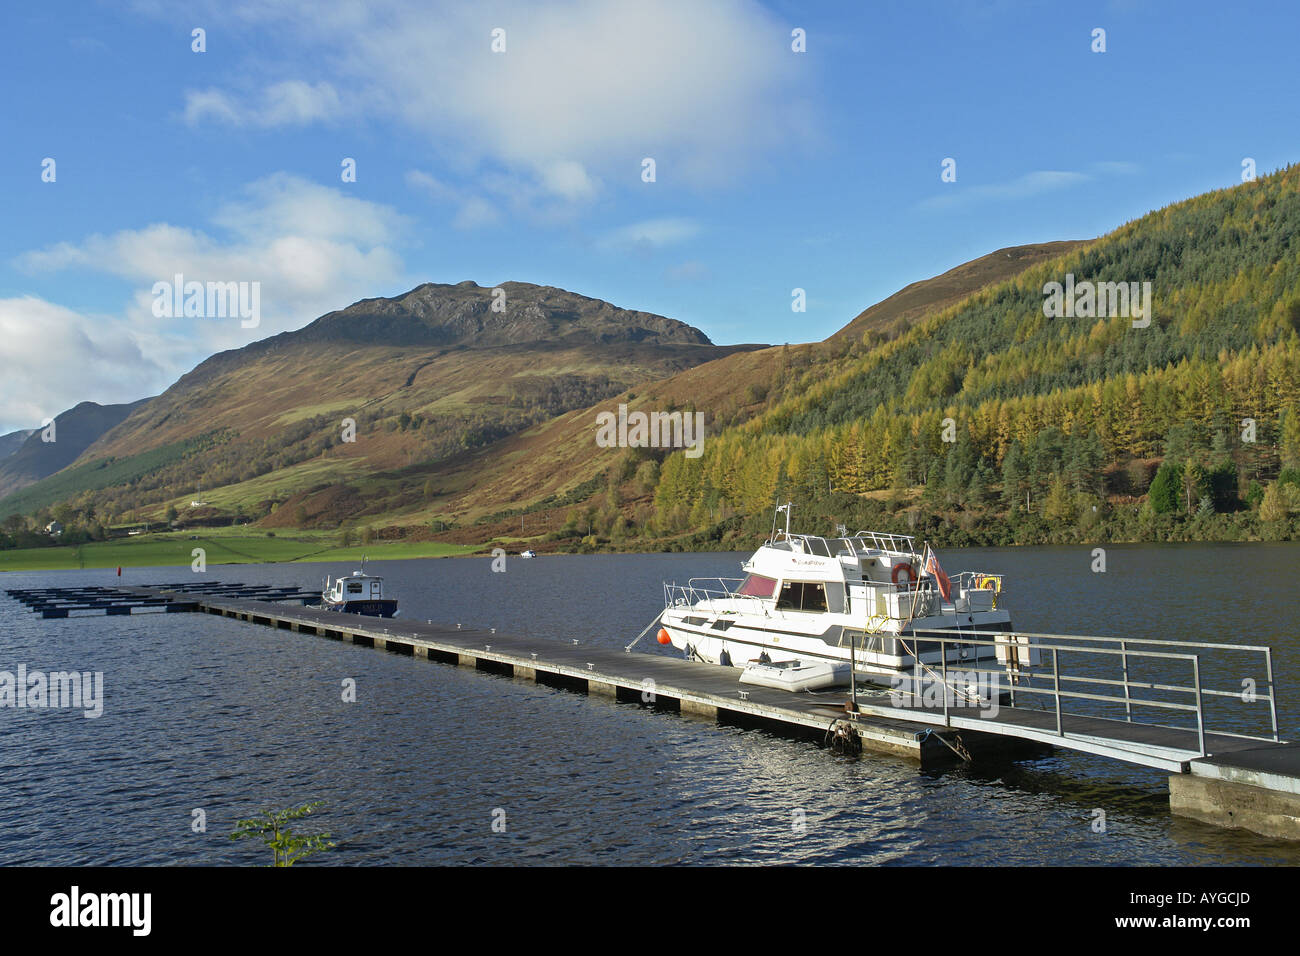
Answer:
(755, 585)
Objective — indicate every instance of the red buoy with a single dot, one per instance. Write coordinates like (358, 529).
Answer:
(119, 570)
(663, 636)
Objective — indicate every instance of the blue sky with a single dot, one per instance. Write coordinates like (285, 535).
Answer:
(774, 169)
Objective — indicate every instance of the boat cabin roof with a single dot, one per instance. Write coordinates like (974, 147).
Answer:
(864, 556)
(356, 582)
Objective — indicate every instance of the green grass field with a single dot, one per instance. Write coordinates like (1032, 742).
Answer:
(175, 549)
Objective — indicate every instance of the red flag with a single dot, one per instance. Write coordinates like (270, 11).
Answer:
(932, 568)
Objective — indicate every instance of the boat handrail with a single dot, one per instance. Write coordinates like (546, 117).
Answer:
(901, 543)
(860, 543)
(721, 580)
(805, 543)
(692, 594)
(977, 580)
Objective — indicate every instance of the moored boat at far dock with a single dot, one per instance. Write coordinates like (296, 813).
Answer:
(358, 593)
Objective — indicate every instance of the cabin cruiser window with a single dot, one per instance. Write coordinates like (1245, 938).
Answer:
(818, 546)
(802, 596)
(355, 589)
(755, 585)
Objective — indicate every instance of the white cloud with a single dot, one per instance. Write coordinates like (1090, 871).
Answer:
(474, 211)
(651, 233)
(591, 83)
(287, 103)
(569, 180)
(310, 247)
(284, 204)
(431, 185)
(553, 196)
(201, 105)
(1031, 184)
(584, 91)
(56, 357)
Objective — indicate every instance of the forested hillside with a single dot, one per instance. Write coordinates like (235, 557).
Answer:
(1057, 425)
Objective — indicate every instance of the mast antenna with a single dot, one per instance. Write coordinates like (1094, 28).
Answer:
(779, 508)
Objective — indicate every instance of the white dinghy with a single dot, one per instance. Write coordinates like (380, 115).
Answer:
(795, 675)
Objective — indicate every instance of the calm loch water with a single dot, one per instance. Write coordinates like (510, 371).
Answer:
(225, 717)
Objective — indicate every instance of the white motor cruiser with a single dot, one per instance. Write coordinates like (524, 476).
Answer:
(810, 599)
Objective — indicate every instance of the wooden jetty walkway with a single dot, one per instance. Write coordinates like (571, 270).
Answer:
(1228, 779)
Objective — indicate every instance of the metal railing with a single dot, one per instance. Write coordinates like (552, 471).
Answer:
(1191, 695)
(903, 543)
(694, 594)
(806, 543)
(858, 543)
(977, 581)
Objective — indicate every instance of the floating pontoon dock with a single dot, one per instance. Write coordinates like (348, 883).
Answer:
(1226, 778)
(94, 600)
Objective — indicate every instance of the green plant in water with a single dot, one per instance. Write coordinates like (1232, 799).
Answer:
(271, 827)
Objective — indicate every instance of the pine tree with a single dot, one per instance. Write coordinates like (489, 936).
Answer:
(1013, 474)
(1165, 488)
(1193, 477)
(1290, 444)
(979, 494)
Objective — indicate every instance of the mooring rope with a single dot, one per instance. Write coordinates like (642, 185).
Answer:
(959, 748)
(643, 633)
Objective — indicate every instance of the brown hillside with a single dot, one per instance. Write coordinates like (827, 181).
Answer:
(437, 350)
(930, 295)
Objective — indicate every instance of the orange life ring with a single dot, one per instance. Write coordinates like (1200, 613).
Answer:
(911, 573)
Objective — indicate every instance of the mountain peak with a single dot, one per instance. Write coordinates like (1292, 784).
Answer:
(510, 313)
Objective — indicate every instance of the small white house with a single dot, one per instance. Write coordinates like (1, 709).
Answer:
(54, 529)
